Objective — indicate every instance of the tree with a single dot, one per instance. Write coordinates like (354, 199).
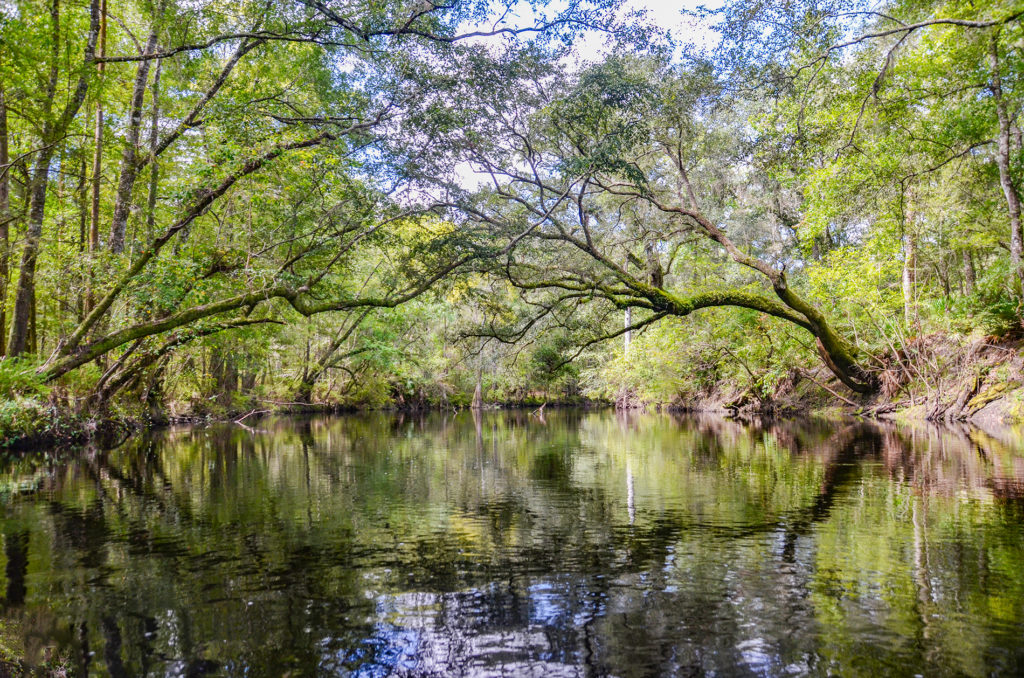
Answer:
(282, 131)
(608, 173)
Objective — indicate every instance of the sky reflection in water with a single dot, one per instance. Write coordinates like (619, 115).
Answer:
(584, 544)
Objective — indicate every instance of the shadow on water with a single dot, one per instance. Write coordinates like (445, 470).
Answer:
(503, 544)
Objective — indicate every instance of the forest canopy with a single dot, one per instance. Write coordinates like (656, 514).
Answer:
(213, 207)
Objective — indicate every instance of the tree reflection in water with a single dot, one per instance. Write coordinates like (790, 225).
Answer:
(584, 544)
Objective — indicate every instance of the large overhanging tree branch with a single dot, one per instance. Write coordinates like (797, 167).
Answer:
(303, 297)
(625, 289)
(124, 372)
(202, 203)
(602, 161)
(357, 28)
(839, 354)
(297, 298)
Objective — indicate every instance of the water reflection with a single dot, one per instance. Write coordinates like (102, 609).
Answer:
(583, 544)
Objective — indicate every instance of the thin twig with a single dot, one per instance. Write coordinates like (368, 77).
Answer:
(246, 416)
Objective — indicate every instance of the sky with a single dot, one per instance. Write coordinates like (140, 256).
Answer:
(666, 14)
(594, 45)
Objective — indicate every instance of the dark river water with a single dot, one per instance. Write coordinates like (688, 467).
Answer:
(583, 544)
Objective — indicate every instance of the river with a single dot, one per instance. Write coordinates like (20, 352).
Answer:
(577, 544)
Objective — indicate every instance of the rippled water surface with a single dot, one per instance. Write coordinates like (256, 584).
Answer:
(582, 544)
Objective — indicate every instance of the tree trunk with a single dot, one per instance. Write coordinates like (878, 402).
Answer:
(970, 277)
(478, 392)
(942, 270)
(225, 375)
(5, 223)
(838, 353)
(129, 163)
(33, 328)
(97, 158)
(910, 314)
(82, 197)
(83, 201)
(18, 343)
(247, 380)
(153, 396)
(154, 168)
(304, 392)
(25, 295)
(627, 338)
(24, 299)
(1003, 163)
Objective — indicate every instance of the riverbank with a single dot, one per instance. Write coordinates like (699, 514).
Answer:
(33, 423)
(28, 423)
(935, 379)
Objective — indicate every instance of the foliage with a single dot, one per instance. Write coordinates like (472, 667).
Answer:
(284, 205)
(18, 377)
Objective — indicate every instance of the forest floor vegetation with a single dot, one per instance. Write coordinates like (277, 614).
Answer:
(938, 378)
(934, 378)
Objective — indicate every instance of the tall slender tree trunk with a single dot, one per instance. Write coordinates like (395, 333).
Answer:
(33, 327)
(942, 270)
(83, 200)
(82, 192)
(478, 392)
(1003, 163)
(910, 278)
(97, 158)
(97, 165)
(129, 161)
(24, 300)
(154, 166)
(5, 219)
